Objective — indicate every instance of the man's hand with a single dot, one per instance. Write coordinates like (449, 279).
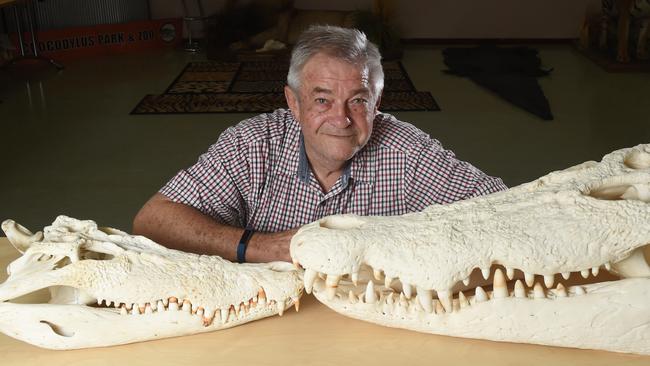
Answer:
(182, 227)
(268, 247)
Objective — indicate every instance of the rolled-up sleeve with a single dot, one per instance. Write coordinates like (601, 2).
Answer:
(211, 185)
(435, 176)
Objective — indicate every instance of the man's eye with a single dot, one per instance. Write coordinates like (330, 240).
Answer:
(321, 100)
(359, 101)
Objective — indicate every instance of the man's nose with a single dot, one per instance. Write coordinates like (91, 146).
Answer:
(341, 115)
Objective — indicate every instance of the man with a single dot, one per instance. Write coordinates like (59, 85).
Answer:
(332, 153)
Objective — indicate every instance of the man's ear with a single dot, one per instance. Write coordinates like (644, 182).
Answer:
(378, 102)
(292, 102)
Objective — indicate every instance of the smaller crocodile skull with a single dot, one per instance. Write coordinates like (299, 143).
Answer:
(557, 261)
(108, 288)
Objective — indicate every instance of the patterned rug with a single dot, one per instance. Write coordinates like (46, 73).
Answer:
(226, 87)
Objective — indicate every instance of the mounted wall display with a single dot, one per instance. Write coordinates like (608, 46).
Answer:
(106, 39)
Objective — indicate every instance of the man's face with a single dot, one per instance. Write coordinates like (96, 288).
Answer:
(335, 109)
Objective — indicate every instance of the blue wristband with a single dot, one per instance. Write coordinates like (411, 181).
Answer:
(243, 243)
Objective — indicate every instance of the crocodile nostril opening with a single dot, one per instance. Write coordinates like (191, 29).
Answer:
(612, 192)
(342, 222)
(637, 159)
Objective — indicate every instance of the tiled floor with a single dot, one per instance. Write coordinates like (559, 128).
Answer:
(69, 146)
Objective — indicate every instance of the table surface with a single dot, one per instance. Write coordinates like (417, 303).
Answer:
(313, 336)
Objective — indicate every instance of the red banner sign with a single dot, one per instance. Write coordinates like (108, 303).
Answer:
(105, 39)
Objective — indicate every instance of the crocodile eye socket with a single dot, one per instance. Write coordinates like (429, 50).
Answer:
(95, 255)
(637, 159)
(613, 192)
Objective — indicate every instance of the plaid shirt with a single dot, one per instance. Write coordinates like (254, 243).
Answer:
(257, 176)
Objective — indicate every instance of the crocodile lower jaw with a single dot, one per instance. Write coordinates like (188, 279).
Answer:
(599, 315)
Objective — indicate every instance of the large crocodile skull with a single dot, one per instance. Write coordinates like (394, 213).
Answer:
(532, 249)
(112, 288)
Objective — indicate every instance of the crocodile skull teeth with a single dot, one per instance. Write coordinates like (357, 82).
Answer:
(156, 292)
(573, 246)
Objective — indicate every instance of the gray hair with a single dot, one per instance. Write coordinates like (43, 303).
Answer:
(350, 45)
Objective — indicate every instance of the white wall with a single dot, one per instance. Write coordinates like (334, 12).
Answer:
(440, 19)
(491, 18)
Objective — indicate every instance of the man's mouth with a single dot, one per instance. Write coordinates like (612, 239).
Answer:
(340, 135)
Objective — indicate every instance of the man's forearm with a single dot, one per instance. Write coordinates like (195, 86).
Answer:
(182, 227)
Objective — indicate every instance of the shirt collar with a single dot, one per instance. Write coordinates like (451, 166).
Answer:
(289, 147)
(303, 164)
(364, 164)
(359, 168)
(362, 167)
